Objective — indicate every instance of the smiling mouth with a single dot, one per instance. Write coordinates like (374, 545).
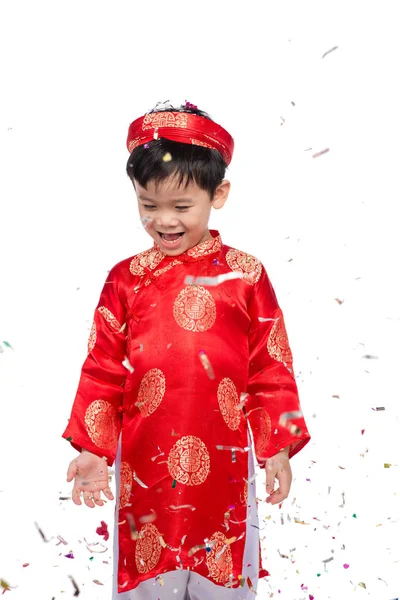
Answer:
(170, 237)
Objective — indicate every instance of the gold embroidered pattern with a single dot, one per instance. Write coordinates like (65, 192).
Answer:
(159, 272)
(205, 248)
(228, 400)
(278, 343)
(247, 264)
(220, 565)
(149, 258)
(92, 338)
(109, 317)
(194, 309)
(189, 461)
(101, 424)
(151, 392)
(263, 430)
(148, 548)
(133, 144)
(125, 486)
(246, 492)
(164, 119)
(199, 143)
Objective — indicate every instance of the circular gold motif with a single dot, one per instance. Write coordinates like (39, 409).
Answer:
(189, 461)
(150, 258)
(245, 263)
(92, 338)
(220, 566)
(151, 392)
(194, 309)
(278, 343)
(148, 548)
(228, 400)
(125, 484)
(101, 424)
(109, 317)
(263, 430)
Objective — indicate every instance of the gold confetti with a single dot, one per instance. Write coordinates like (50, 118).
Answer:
(387, 465)
(167, 157)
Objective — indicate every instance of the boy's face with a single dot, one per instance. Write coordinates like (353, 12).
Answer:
(177, 217)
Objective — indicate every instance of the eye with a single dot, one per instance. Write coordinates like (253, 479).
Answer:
(148, 206)
(182, 207)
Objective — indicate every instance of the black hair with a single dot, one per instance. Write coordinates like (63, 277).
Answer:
(189, 163)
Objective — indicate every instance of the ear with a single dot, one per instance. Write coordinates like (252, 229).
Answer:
(221, 194)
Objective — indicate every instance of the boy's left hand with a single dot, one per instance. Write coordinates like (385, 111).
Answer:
(278, 467)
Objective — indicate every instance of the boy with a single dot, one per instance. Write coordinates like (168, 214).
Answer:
(188, 364)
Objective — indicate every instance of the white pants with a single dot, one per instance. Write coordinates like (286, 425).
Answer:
(188, 585)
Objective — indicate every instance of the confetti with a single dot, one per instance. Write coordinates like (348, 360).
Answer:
(69, 439)
(4, 585)
(127, 364)
(132, 527)
(226, 519)
(320, 153)
(160, 580)
(285, 422)
(41, 532)
(206, 364)
(76, 588)
(213, 281)
(329, 51)
(236, 448)
(174, 483)
(69, 555)
(346, 566)
(299, 522)
(379, 408)
(195, 549)
(167, 157)
(91, 547)
(103, 530)
(264, 319)
(140, 482)
(98, 582)
(182, 506)
(387, 465)
(8, 345)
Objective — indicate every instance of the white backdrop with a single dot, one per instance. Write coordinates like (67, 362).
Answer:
(73, 76)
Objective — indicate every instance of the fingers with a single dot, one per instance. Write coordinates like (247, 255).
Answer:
(72, 470)
(76, 496)
(97, 500)
(284, 476)
(270, 471)
(108, 493)
(88, 499)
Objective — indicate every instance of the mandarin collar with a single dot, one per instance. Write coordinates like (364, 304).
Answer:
(197, 252)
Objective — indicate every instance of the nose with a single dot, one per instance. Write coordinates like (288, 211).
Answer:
(166, 220)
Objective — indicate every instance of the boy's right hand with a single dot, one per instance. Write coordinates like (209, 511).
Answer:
(91, 477)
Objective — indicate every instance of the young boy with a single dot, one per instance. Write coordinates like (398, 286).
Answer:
(188, 364)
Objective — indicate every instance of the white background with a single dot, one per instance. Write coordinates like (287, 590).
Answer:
(73, 76)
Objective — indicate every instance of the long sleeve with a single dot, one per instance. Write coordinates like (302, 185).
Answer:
(272, 389)
(95, 420)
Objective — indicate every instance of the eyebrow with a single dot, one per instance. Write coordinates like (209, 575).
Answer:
(178, 200)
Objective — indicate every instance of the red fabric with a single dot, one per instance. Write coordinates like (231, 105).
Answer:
(174, 415)
(180, 127)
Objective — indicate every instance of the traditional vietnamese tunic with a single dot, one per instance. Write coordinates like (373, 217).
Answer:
(201, 362)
